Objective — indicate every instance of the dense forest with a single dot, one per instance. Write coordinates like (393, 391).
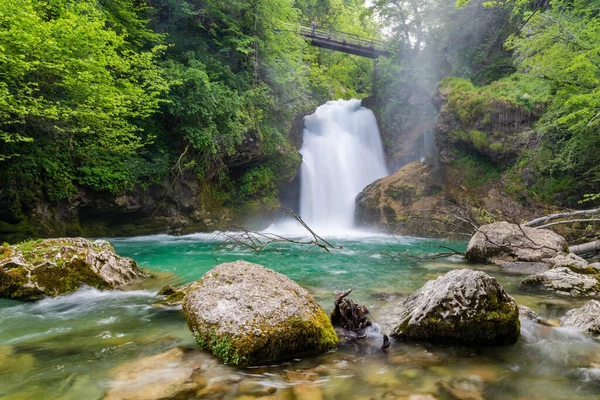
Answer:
(110, 105)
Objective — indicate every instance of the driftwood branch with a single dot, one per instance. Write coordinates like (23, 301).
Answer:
(591, 247)
(350, 316)
(551, 217)
(569, 221)
(239, 236)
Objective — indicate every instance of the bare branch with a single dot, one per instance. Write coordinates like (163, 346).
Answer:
(239, 236)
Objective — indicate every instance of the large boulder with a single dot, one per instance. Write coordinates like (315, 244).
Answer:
(463, 306)
(246, 314)
(505, 242)
(51, 267)
(564, 281)
(586, 318)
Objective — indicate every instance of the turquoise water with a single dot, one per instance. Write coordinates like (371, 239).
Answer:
(92, 344)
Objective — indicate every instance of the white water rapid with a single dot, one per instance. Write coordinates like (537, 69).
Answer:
(341, 154)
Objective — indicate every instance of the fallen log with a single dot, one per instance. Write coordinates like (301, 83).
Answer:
(551, 217)
(585, 248)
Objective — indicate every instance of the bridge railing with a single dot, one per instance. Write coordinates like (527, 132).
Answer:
(342, 37)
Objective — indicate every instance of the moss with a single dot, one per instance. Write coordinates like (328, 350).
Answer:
(473, 104)
(297, 336)
(12, 281)
(497, 324)
(56, 280)
(586, 271)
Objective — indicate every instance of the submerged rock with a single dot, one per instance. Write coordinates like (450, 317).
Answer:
(462, 388)
(527, 313)
(523, 267)
(246, 314)
(586, 318)
(505, 242)
(174, 294)
(164, 375)
(51, 267)
(463, 306)
(565, 281)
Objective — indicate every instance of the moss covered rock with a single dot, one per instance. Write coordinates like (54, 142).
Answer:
(246, 314)
(463, 306)
(51, 267)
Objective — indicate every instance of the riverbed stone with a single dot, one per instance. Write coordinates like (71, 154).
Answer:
(247, 314)
(463, 306)
(173, 295)
(502, 242)
(170, 374)
(527, 313)
(571, 261)
(462, 388)
(564, 281)
(52, 267)
(586, 318)
(523, 267)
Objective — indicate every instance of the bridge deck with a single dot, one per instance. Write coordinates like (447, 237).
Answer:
(344, 42)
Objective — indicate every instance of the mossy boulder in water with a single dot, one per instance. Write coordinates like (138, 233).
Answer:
(463, 306)
(246, 314)
(51, 267)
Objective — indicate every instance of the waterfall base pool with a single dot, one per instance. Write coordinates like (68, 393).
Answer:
(125, 344)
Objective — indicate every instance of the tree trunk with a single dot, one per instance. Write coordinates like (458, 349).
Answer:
(591, 247)
(551, 217)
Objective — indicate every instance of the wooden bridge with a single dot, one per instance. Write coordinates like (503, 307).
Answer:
(344, 42)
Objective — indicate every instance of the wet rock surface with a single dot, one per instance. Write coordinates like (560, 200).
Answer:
(586, 318)
(565, 281)
(463, 306)
(527, 313)
(246, 314)
(503, 242)
(51, 267)
(523, 267)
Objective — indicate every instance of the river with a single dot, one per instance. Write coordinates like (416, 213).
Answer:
(76, 346)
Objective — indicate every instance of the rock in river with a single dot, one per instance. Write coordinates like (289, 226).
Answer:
(463, 306)
(586, 318)
(246, 314)
(51, 267)
(564, 281)
(505, 242)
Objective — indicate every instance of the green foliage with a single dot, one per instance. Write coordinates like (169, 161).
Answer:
(477, 170)
(72, 90)
(480, 140)
(472, 104)
(562, 45)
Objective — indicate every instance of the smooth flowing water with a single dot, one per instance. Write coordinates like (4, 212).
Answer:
(93, 344)
(341, 154)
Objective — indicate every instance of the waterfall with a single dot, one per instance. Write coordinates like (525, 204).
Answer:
(341, 154)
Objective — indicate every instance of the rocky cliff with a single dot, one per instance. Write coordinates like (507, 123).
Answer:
(471, 179)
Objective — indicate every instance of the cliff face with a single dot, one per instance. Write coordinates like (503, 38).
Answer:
(469, 180)
(492, 128)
